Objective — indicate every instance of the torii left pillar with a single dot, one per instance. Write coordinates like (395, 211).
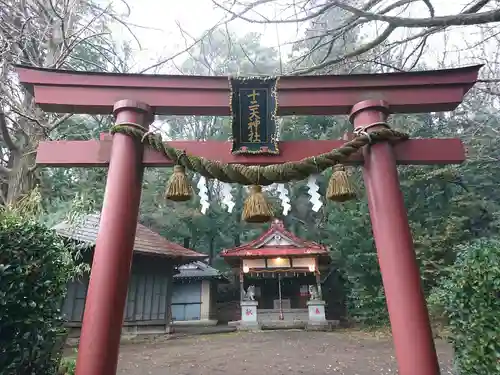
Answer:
(109, 278)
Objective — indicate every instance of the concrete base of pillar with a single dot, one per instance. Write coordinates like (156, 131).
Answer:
(316, 310)
(249, 312)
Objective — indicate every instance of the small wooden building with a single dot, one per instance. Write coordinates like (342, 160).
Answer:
(282, 267)
(195, 289)
(151, 288)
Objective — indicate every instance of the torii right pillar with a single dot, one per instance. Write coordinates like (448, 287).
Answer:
(410, 324)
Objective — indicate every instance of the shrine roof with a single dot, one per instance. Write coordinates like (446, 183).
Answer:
(199, 270)
(146, 241)
(276, 241)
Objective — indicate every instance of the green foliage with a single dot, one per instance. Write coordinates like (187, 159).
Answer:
(470, 299)
(68, 365)
(35, 267)
(347, 232)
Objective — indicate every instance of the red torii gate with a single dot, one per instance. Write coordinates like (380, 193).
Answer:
(367, 98)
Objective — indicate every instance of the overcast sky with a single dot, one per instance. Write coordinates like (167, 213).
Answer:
(160, 34)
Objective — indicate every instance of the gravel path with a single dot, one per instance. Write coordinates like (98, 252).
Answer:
(270, 353)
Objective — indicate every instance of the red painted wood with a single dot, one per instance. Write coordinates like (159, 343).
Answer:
(110, 274)
(215, 103)
(33, 75)
(82, 92)
(259, 248)
(275, 251)
(411, 330)
(97, 153)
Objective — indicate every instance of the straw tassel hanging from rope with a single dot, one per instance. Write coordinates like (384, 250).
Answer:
(256, 208)
(340, 187)
(179, 187)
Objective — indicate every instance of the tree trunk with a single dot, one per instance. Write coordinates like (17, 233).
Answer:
(211, 251)
(237, 240)
(22, 178)
(238, 211)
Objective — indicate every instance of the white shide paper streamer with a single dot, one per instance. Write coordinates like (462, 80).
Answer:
(227, 196)
(315, 199)
(203, 194)
(285, 199)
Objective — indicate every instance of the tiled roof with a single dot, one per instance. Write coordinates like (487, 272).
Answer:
(146, 241)
(198, 270)
(258, 247)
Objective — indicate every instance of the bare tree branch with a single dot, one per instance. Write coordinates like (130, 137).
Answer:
(53, 126)
(4, 132)
(356, 16)
(359, 51)
(462, 19)
(71, 34)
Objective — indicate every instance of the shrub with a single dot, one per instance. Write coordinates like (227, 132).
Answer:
(67, 366)
(35, 267)
(470, 299)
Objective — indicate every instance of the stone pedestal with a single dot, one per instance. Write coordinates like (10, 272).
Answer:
(249, 315)
(316, 312)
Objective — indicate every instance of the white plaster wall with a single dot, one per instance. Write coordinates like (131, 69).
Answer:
(282, 262)
(254, 263)
(304, 262)
(205, 300)
(278, 263)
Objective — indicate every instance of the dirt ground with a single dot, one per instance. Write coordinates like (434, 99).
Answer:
(270, 353)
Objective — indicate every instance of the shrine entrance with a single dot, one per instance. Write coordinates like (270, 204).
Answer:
(135, 99)
(280, 289)
(282, 299)
(283, 272)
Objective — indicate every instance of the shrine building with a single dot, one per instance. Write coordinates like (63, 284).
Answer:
(280, 277)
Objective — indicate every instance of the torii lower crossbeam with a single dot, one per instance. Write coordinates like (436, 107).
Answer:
(98, 153)
(367, 98)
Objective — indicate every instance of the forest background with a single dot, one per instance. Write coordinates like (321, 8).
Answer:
(448, 206)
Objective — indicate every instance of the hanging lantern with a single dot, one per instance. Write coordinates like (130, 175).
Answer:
(340, 187)
(256, 208)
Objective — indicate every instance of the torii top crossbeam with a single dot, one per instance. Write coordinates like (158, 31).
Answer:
(96, 93)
